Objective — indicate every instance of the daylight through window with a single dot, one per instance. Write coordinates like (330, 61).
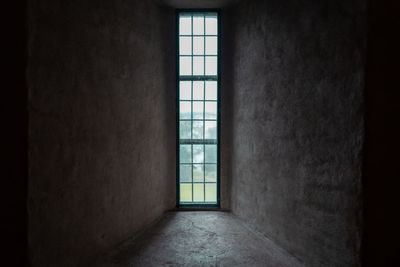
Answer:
(198, 108)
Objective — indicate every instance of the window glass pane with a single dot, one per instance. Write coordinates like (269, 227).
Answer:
(198, 192)
(211, 130)
(185, 173)
(211, 172)
(185, 193)
(198, 65)
(211, 153)
(198, 45)
(211, 90)
(185, 92)
(185, 110)
(198, 90)
(198, 109)
(185, 65)
(211, 45)
(211, 110)
(197, 130)
(185, 153)
(185, 130)
(185, 25)
(211, 192)
(185, 45)
(211, 25)
(198, 173)
(198, 154)
(211, 65)
(198, 25)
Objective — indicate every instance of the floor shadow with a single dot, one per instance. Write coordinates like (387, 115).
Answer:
(135, 246)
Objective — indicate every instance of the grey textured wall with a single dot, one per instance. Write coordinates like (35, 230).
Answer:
(101, 125)
(298, 81)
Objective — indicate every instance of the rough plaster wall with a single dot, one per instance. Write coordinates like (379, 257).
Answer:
(101, 131)
(298, 124)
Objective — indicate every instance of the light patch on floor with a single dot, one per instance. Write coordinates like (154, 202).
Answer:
(199, 238)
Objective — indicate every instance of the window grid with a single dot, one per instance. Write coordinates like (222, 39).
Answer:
(209, 114)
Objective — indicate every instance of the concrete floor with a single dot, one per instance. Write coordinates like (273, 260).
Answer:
(199, 238)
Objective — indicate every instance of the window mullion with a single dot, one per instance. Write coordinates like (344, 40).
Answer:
(204, 107)
(192, 108)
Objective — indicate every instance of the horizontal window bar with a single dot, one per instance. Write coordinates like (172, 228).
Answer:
(198, 35)
(207, 163)
(198, 204)
(197, 120)
(198, 55)
(198, 183)
(199, 13)
(201, 100)
(197, 141)
(198, 78)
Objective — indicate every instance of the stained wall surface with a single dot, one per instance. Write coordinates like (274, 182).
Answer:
(297, 125)
(101, 125)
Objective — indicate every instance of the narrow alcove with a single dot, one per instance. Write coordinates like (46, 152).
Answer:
(103, 114)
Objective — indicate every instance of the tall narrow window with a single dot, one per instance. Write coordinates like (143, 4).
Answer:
(198, 108)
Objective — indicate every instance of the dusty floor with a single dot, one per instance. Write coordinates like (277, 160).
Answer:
(202, 238)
